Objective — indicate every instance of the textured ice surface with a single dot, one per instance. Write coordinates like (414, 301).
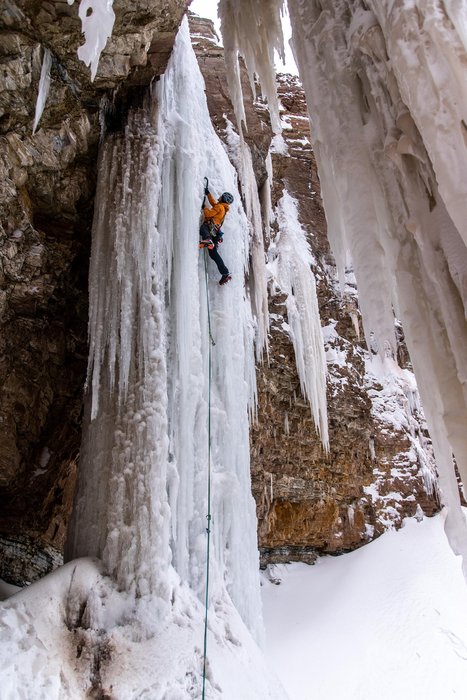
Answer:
(141, 504)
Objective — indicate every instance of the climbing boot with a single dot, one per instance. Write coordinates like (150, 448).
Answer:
(224, 279)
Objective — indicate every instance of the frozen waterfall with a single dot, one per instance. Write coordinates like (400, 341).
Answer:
(387, 95)
(142, 496)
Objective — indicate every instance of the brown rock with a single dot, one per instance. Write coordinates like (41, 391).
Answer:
(47, 184)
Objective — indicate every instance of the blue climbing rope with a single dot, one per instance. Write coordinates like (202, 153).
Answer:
(208, 517)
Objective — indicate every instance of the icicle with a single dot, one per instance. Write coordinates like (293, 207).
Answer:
(241, 156)
(253, 29)
(97, 20)
(265, 197)
(296, 279)
(44, 85)
(387, 99)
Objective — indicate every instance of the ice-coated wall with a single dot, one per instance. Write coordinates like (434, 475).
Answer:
(387, 95)
(142, 498)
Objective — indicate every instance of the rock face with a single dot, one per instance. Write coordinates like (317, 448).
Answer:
(308, 501)
(379, 469)
(47, 184)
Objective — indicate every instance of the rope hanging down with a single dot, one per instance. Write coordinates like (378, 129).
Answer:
(208, 517)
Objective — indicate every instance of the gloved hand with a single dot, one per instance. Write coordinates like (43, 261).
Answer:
(206, 190)
(219, 240)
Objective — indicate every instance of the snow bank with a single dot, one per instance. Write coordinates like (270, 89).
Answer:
(69, 636)
(389, 617)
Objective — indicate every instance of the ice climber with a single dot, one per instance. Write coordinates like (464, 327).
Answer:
(210, 231)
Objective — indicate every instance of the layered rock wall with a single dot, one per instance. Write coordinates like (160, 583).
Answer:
(47, 185)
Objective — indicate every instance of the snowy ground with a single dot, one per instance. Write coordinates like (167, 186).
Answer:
(388, 621)
(68, 637)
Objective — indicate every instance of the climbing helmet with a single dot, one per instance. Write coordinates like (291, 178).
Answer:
(227, 198)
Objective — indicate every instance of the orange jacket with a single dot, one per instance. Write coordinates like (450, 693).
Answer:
(217, 213)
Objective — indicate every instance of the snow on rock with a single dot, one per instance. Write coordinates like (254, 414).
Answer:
(97, 20)
(141, 501)
(310, 501)
(396, 410)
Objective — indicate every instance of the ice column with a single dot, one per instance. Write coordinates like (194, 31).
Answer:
(121, 512)
(192, 151)
(142, 495)
(296, 280)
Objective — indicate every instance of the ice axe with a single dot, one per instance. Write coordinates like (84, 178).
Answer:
(206, 186)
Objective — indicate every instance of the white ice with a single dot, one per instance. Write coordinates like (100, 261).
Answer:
(258, 214)
(291, 257)
(44, 86)
(97, 21)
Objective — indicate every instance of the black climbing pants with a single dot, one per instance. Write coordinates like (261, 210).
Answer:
(206, 232)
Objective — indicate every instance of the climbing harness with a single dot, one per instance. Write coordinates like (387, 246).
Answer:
(208, 517)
